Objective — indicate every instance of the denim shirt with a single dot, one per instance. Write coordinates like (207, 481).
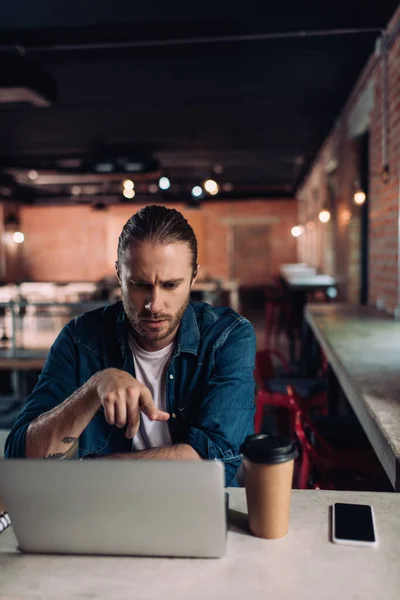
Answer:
(209, 382)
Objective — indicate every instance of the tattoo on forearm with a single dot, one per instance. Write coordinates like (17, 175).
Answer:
(70, 453)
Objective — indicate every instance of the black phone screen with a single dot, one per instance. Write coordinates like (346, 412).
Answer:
(354, 522)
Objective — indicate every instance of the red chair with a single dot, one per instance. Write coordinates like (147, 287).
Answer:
(322, 461)
(265, 368)
(264, 371)
(319, 461)
(281, 401)
(277, 314)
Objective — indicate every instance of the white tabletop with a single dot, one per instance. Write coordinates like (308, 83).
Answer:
(362, 346)
(297, 269)
(307, 280)
(303, 565)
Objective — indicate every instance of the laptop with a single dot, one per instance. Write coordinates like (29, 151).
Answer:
(116, 507)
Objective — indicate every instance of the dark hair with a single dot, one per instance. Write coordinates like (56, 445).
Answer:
(160, 225)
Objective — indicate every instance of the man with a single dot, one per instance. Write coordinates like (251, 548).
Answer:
(153, 377)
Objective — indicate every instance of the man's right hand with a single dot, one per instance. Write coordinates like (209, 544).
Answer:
(123, 398)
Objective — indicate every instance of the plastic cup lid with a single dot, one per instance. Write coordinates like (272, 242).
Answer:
(268, 449)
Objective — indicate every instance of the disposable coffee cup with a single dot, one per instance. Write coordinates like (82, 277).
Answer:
(268, 463)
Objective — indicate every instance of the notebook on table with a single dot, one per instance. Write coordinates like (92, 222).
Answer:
(126, 507)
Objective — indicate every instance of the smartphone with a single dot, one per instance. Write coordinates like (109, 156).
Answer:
(353, 524)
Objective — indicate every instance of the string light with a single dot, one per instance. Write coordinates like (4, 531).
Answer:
(359, 197)
(128, 193)
(324, 216)
(297, 231)
(128, 184)
(197, 191)
(18, 237)
(164, 183)
(211, 187)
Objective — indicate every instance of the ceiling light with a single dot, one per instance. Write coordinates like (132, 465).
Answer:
(128, 184)
(297, 231)
(76, 190)
(211, 187)
(128, 193)
(218, 169)
(197, 191)
(324, 215)
(18, 237)
(359, 197)
(227, 187)
(153, 188)
(164, 183)
(33, 174)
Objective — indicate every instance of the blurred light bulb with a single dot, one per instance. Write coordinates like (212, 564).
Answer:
(324, 216)
(128, 184)
(197, 191)
(128, 193)
(331, 292)
(164, 183)
(153, 188)
(346, 216)
(76, 190)
(297, 231)
(18, 237)
(359, 197)
(211, 187)
(33, 174)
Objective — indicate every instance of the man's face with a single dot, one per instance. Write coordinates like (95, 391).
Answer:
(155, 283)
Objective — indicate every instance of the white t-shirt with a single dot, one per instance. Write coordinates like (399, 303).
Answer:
(150, 369)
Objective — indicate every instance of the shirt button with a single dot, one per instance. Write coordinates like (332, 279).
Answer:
(173, 415)
(171, 376)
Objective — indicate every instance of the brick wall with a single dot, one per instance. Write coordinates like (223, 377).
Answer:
(337, 249)
(77, 243)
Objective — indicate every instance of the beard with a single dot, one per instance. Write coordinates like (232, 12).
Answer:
(138, 321)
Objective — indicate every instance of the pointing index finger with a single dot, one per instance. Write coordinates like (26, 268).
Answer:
(147, 406)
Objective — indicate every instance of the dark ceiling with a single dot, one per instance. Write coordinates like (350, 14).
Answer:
(146, 82)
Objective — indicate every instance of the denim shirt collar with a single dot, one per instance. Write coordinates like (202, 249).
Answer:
(188, 337)
(189, 333)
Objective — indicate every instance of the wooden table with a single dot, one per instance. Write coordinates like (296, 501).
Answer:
(20, 362)
(212, 291)
(362, 346)
(300, 282)
(308, 282)
(304, 565)
(297, 269)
